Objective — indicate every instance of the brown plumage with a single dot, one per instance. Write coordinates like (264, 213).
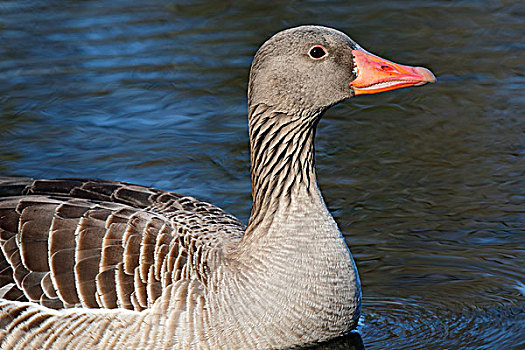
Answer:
(98, 264)
(95, 243)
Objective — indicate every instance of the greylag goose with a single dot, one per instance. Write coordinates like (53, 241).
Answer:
(97, 264)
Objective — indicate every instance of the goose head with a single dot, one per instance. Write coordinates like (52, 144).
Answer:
(305, 70)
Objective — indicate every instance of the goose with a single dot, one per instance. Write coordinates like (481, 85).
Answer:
(98, 264)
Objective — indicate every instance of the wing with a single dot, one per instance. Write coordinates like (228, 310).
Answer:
(102, 244)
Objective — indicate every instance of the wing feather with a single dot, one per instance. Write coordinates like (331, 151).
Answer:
(96, 243)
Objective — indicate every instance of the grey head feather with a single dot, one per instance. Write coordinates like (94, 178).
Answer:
(284, 76)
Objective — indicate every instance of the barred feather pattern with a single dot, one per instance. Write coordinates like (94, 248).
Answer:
(95, 243)
(101, 264)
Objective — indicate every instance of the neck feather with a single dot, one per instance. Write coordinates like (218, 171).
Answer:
(283, 163)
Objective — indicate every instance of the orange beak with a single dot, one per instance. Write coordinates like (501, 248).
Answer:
(375, 74)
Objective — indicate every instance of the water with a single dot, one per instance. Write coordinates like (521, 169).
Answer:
(427, 184)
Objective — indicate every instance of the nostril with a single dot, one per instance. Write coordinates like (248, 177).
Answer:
(387, 68)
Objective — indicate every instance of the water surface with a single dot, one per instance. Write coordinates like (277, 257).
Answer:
(427, 184)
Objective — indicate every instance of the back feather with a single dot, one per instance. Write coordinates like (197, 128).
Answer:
(102, 244)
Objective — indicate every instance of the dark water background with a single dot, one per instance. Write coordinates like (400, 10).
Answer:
(427, 184)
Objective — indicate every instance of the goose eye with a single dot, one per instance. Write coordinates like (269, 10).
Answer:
(317, 52)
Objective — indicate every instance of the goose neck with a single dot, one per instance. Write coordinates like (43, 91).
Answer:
(283, 168)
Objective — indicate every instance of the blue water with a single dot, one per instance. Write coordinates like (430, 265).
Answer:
(427, 184)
